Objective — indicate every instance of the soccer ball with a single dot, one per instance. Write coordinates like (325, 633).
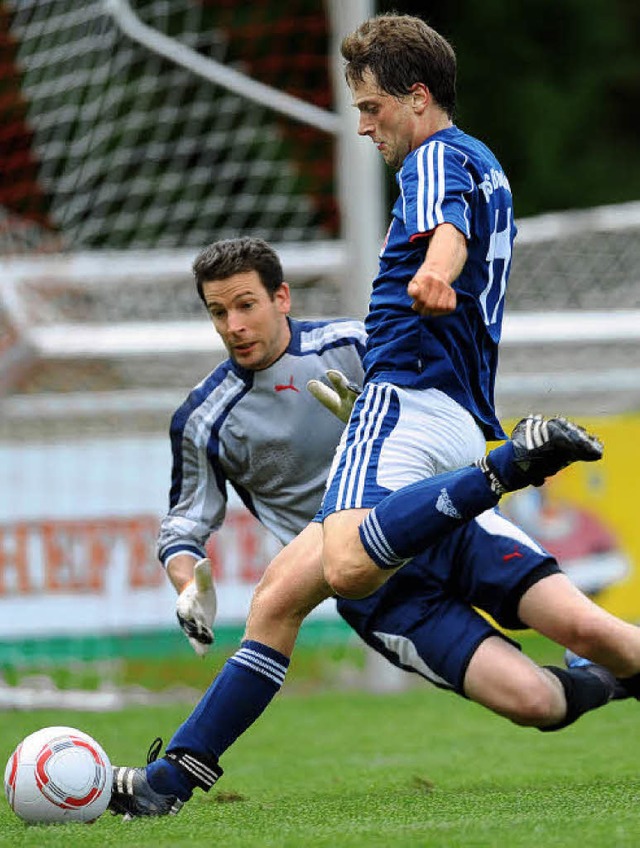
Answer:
(58, 774)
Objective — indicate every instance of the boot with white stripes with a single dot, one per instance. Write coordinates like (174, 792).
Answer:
(539, 447)
(132, 795)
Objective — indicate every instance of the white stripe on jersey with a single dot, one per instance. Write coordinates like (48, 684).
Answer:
(441, 184)
(312, 340)
(201, 421)
(431, 186)
(497, 525)
(436, 181)
(404, 204)
(420, 198)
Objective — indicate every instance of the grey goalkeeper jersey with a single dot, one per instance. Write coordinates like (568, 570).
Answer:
(261, 432)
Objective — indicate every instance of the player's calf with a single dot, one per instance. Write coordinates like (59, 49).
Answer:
(585, 689)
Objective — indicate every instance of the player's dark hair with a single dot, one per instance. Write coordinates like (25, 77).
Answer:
(401, 50)
(223, 259)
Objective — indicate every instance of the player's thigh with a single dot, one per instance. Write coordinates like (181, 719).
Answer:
(341, 538)
(293, 583)
(556, 608)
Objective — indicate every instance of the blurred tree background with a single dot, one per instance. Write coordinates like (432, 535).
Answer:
(553, 86)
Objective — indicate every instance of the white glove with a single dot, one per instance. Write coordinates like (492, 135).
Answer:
(196, 608)
(339, 397)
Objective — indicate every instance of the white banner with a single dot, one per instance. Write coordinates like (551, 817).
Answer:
(78, 525)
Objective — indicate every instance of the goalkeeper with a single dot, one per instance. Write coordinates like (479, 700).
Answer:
(423, 619)
(251, 424)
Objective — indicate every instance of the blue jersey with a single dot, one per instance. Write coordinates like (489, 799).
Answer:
(451, 178)
(262, 433)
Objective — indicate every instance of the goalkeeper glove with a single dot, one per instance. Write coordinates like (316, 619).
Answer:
(196, 608)
(339, 397)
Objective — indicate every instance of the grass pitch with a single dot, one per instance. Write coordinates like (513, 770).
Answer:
(344, 769)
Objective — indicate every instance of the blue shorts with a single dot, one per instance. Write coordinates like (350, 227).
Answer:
(423, 619)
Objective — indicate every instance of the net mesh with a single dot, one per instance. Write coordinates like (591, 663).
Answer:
(107, 145)
(582, 261)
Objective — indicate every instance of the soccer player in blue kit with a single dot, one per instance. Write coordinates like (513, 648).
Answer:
(426, 607)
(436, 306)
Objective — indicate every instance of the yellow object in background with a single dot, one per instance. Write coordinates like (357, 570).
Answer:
(588, 516)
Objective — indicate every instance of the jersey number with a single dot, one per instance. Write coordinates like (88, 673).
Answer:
(499, 251)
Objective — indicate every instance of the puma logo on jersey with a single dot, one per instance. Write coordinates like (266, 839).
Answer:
(280, 387)
(515, 554)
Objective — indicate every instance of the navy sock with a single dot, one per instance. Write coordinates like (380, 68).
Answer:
(584, 690)
(236, 698)
(417, 516)
(510, 477)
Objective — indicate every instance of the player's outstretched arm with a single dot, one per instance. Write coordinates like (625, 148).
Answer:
(339, 397)
(431, 288)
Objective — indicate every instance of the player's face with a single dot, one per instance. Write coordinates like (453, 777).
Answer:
(390, 122)
(252, 324)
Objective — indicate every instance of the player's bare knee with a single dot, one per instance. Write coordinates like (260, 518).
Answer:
(348, 585)
(349, 580)
(273, 601)
(534, 705)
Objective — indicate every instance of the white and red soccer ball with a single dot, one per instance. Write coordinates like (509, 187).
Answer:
(58, 774)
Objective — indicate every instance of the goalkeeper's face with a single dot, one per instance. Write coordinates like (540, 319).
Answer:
(251, 322)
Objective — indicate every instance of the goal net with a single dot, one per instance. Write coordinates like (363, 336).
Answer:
(116, 146)
(134, 134)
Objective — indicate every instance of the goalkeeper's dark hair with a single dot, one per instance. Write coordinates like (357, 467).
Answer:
(400, 51)
(223, 259)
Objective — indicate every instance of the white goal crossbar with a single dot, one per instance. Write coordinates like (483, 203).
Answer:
(320, 260)
(138, 338)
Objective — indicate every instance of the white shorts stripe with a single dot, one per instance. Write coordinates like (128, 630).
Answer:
(408, 655)
(364, 423)
(359, 453)
(386, 395)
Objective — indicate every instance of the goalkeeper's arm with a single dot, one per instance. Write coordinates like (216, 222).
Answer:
(196, 605)
(339, 397)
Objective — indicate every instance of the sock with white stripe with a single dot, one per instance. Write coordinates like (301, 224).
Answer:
(236, 698)
(417, 516)
(500, 466)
